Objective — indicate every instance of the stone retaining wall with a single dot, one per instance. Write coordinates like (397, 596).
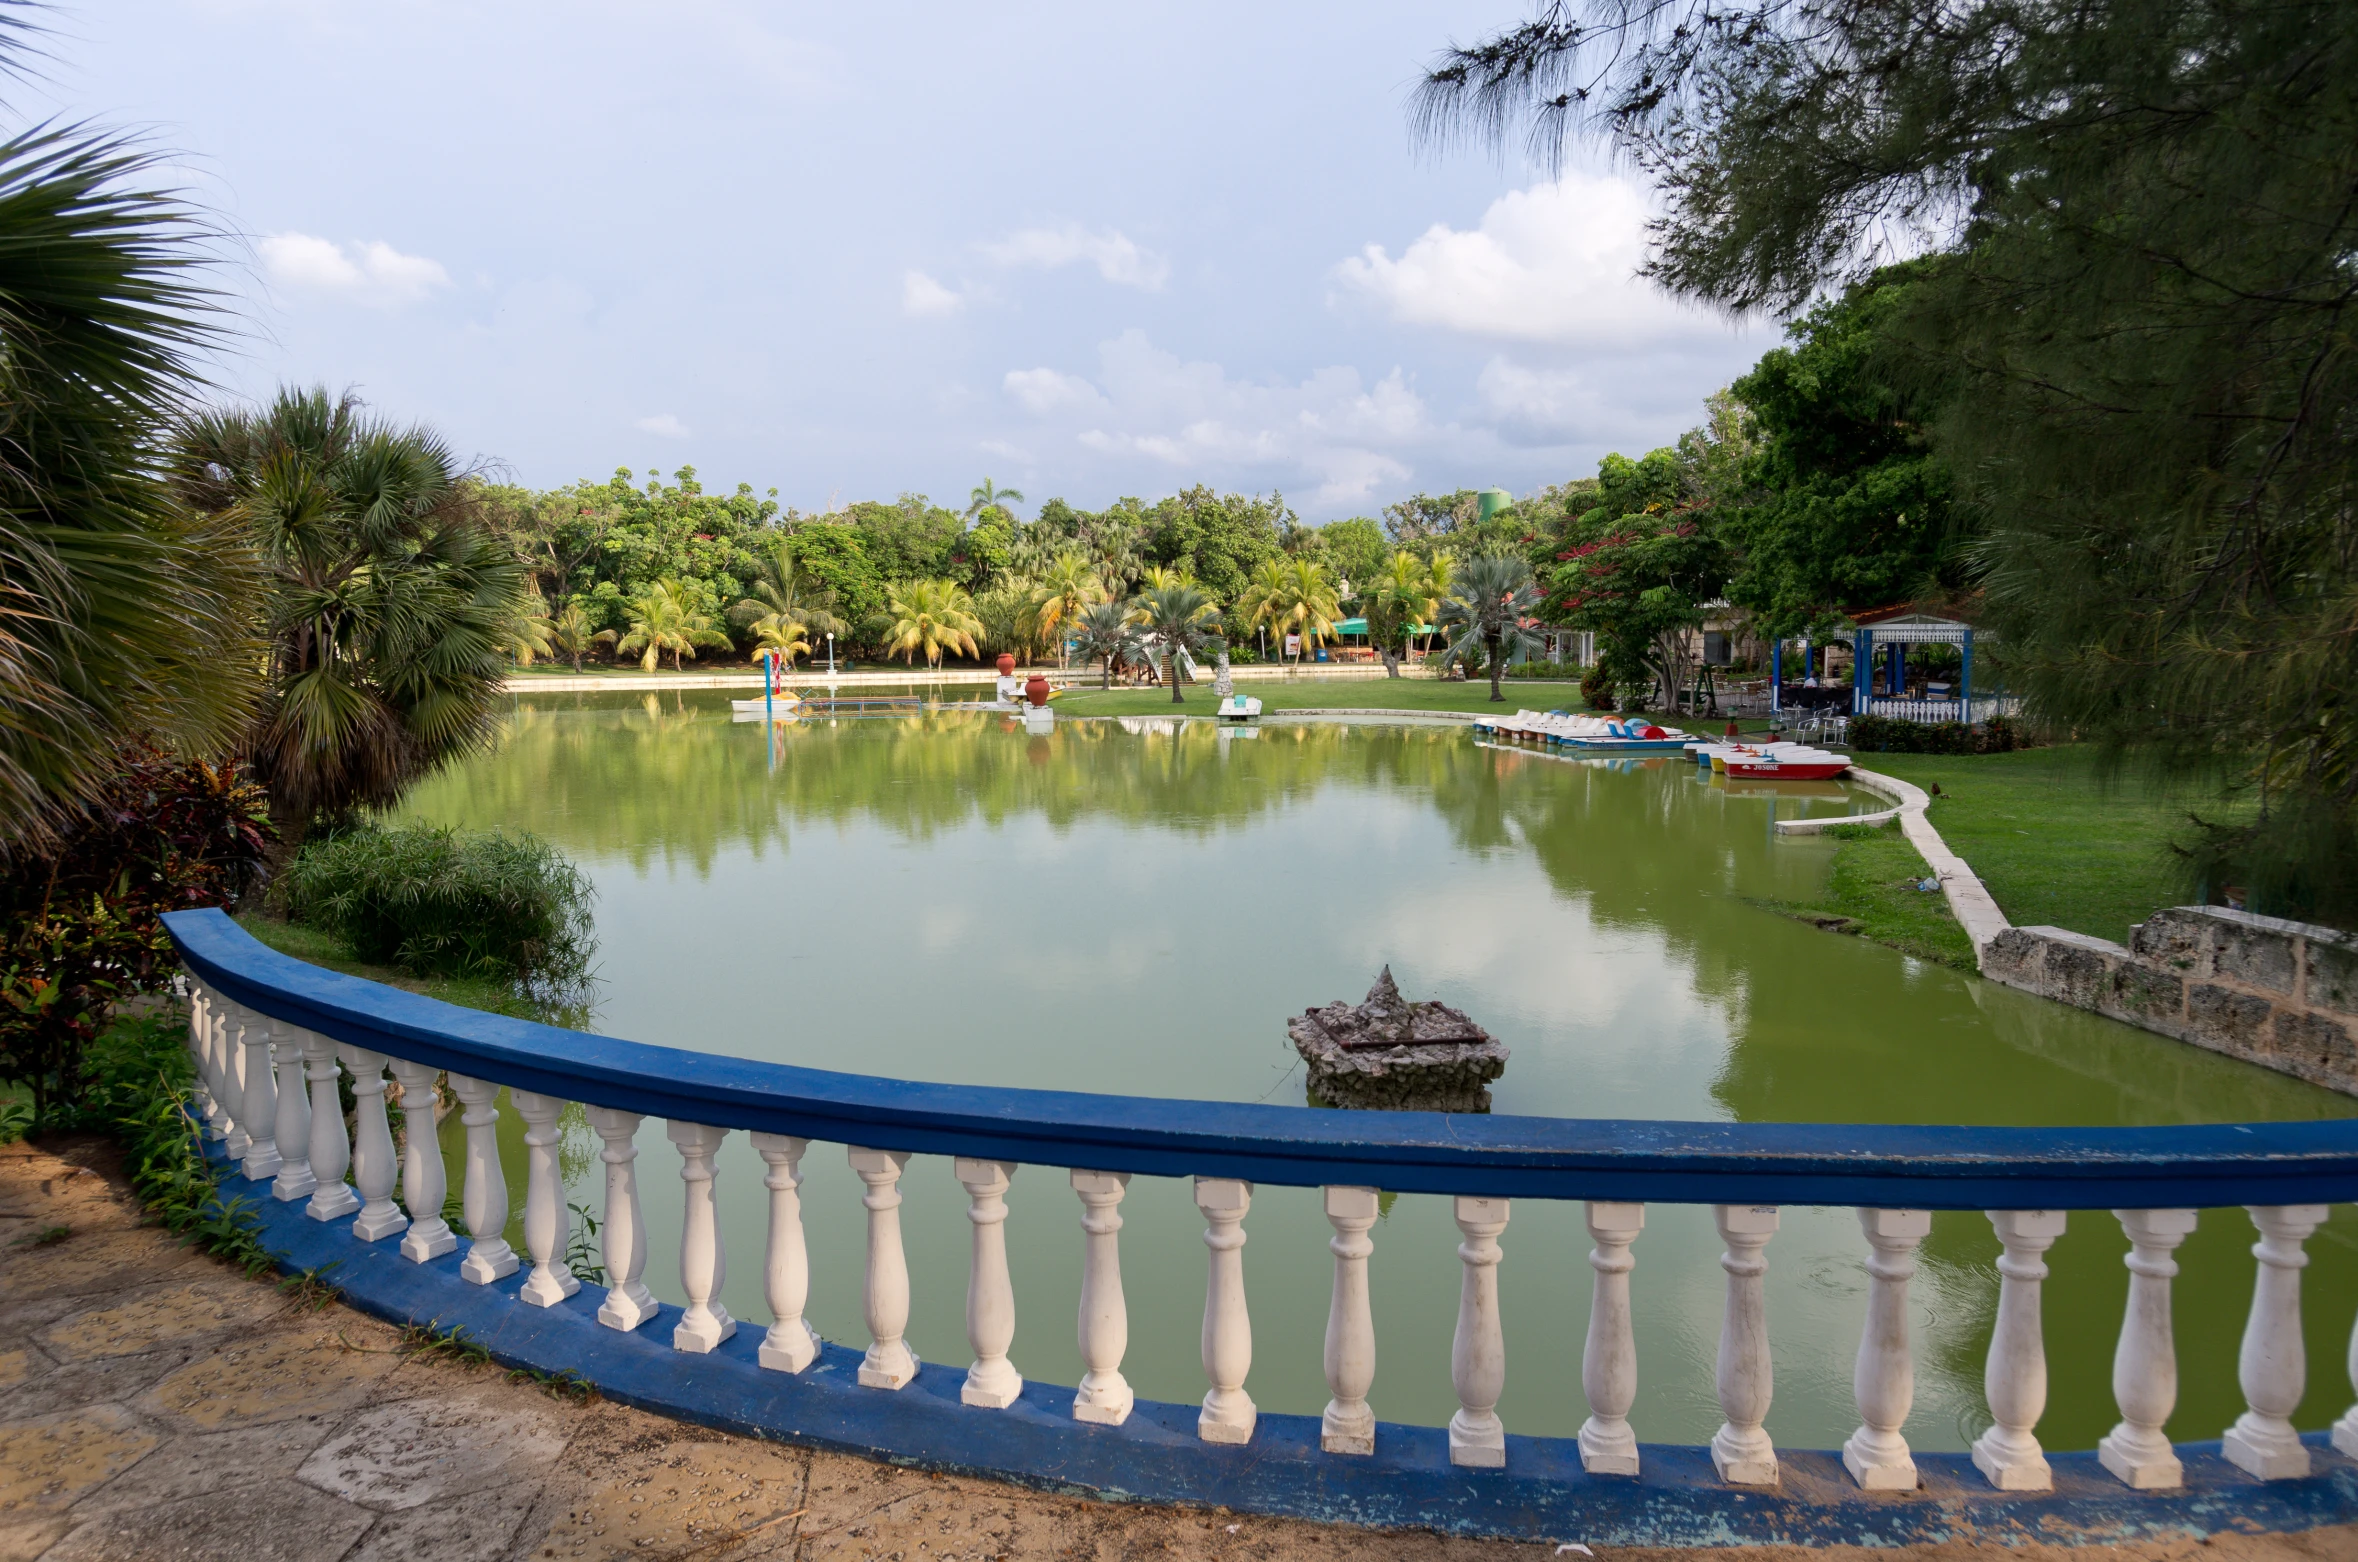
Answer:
(2280, 994)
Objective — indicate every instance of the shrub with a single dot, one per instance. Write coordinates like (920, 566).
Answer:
(438, 902)
(1597, 689)
(1888, 735)
(79, 928)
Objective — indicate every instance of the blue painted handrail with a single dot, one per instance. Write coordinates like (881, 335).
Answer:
(2198, 1166)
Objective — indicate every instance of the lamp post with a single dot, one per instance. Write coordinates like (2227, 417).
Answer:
(830, 653)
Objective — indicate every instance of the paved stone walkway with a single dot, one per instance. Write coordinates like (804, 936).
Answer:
(155, 1404)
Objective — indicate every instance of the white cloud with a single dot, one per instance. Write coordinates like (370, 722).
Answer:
(664, 423)
(1043, 391)
(371, 272)
(1553, 264)
(1117, 257)
(1332, 428)
(923, 298)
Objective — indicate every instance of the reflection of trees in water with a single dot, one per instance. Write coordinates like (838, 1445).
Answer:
(667, 780)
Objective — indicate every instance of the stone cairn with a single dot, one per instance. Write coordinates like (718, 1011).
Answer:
(1388, 1054)
(1223, 685)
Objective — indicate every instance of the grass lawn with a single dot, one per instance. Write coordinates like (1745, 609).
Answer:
(319, 948)
(1329, 694)
(2054, 845)
(1871, 892)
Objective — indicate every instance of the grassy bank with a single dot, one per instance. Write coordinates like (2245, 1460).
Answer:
(315, 947)
(1871, 892)
(2055, 845)
(1328, 694)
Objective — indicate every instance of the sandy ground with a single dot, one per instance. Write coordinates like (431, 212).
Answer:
(155, 1404)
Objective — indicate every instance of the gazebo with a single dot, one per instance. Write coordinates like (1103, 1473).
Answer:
(1879, 668)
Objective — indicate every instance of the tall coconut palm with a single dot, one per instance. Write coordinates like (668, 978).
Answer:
(1182, 620)
(390, 598)
(931, 616)
(1440, 584)
(1107, 632)
(781, 585)
(570, 634)
(1490, 608)
(664, 617)
(1397, 600)
(1292, 596)
(990, 497)
(121, 612)
(1064, 590)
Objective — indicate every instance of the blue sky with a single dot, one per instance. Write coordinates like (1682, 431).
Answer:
(847, 251)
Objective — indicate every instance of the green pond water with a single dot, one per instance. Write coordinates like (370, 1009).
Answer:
(1137, 907)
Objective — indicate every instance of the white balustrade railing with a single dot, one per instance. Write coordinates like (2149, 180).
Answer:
(267, 1092)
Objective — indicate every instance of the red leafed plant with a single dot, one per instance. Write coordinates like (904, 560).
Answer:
(80, 928)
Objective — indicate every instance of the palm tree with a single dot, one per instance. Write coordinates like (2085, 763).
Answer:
(391, 599)
(664, 618)
(931, 616)
(1397, 600)
(781, 585)
(1491, 607)
(1292, 596)
(778, 633)
(1183, 619)
(989, 497)
(1157, 576)
(1440, 582)
(530, 629)
(1064, 590)
(125, 613)
(570, 634)
(1107, 632)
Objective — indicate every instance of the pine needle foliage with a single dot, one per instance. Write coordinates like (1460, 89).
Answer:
(2145, 299)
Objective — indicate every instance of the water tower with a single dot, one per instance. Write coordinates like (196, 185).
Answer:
(1491, 501)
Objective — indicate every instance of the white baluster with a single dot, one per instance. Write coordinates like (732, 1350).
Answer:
(372, 1148)
(1477, 1354)
(293, 1134)
(792, 1344)
(1608, 1366)
(261, 1161)
(1348, 1426)
(704, 1263)
(230, 1030)
(547, 1226)
(423, 1186)
(1228, 1414)
(628, 1302)
(1884, 1380)
(331, 1152)
(1740, 1449)
(2015, 1380)
(2345, 1431)
(483, 1194)
(992, 1382)
(2145, 1363)
(884, 1295)
(2274, 1366)
(200, 1052)
(209, 1054)
(1104, 1397)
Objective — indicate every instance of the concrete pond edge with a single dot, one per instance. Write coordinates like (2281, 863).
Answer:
(1156, 1457)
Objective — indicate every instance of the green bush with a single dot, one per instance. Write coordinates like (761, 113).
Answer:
(1597, 689)
(436, 902)
(1888, 735)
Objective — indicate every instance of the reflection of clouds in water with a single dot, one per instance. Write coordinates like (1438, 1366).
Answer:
(943, 927)
(1614, 1006)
